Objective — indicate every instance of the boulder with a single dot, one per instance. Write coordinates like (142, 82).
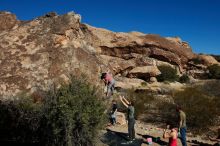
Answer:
(153, 79)
(128, 83)
(207, 60)
(144, 72)
(7, 21)
(120, 118)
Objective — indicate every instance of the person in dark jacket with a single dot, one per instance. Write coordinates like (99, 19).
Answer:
(113, 112)
(130, 117)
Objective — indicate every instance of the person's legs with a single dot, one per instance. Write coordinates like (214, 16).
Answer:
(110, 88)
(183, 136)
(113, 121)
(115, 115)
(131, 131)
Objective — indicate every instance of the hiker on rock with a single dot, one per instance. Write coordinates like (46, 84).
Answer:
(113, 112)
(130, 117)
(182, 125)
(109, 82)
(217, 139)
(172, 135)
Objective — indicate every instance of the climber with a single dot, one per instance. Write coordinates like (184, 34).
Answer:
(109, 82)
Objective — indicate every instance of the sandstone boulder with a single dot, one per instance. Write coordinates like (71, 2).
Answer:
(144, 72)
(207, 60)
(120, 118)
(44, 52)
(128, 83)
(153, 79)
(7, 21)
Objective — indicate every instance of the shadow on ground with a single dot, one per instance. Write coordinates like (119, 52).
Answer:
(197, 143)
(154, 139)
(113, 138)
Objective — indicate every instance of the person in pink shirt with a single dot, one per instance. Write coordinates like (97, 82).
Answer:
(172, 135)
(109, 82)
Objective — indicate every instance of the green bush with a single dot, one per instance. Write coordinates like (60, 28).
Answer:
(167, 74)
(143, 84)
(69, 116)
(74, 114)
(184, 79)
(20, 121)
(197, 61)
(214, 71)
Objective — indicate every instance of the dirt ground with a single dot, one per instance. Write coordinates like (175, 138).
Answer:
(117, 136)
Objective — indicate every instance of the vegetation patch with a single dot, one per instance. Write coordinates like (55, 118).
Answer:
(214, 71)
(71, 115)
(167, 74)
(184, 79)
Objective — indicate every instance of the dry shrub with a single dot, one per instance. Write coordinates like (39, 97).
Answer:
(201, 109)
(142, 101)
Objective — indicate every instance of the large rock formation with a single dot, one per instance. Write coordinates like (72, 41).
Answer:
(7, 21)
(39, 53)
(42, 52)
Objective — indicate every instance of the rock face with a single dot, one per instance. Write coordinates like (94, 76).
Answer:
(120, 118)
(43, 52)
(144, 72)
(207, 60)
(36, 54)
(7, 21)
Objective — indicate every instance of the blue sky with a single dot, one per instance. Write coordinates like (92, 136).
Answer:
(195, 21)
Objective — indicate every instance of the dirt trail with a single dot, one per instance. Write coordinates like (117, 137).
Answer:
(117, 136)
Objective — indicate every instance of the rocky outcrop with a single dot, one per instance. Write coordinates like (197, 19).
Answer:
(43, 52)
(120, 118)
(128, 83)
(130, 45)
(7, 21)
(144, 72)
(36, 54)
(207, 60)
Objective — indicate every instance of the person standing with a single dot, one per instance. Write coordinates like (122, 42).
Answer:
(109, 82)
(130, 117)
(182, 125)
